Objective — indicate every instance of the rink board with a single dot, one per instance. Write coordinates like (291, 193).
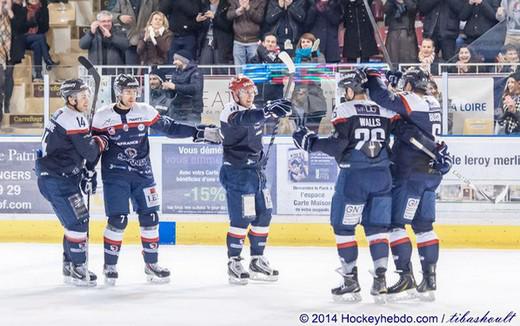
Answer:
(301, 184)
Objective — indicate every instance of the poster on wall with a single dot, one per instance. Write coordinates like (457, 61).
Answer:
(19, 192)
(306, 180)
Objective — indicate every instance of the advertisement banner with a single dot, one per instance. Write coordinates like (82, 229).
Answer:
(471, 106)
(19, 192)
(306, 180)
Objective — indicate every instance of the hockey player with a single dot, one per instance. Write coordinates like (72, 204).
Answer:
(415, 176)
(359, 145)
(127, 172)
(242, 176)
(66, 145)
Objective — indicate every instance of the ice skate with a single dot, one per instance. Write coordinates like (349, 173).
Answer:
(426, 289)
(404, 288)
(80, 277)
(237, 273)
(156, 274)
(349, 289)
(67, 272)
(379, 290)
(259, 270)
(111, 274)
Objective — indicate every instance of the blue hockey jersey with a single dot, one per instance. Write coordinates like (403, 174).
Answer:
(66, 145)
(129, 148)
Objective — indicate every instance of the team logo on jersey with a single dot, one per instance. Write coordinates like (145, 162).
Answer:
(367, 109)
(411, 207)
(153, 245)
(125, 127)
(131, 152)
(140, 127)
(111, 131)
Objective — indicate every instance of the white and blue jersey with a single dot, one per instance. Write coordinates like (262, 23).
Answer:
(66, 145)
(242, 131)
(129, 149)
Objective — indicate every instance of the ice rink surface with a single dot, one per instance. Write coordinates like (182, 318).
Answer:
(32, 291)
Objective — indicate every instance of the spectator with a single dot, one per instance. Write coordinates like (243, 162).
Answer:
(216, 37)
(6, 14)
(359, 42)
(286, 20)
(106, 45)
(270, 89)
(509, 12)
(427, 56)
(247, 17)
(509, 117)
(508, 59)
(159, 98)
(441, 24)
(465, 59)
(309, 103)
(185, 87)
(480, 16)
(401, 40)
(17, 51)
(323, 19)
(155, 40)
(133, 16)
(185, 18)
(35, 38)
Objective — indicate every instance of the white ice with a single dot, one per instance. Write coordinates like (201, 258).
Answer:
(32, 292)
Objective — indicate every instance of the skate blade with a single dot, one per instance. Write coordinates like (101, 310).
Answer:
(427, 296)
(410, 294)
(380, 298)
(110, 281)
(83, 283)
(157, 280)
(262, 277)
(347, 298)
(238, 281)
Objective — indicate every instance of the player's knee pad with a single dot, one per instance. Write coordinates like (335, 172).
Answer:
(78, 227)
(371, 230)
(420, 226)
(426, 210)
(119, 221)
(379, 211)
(148, 219)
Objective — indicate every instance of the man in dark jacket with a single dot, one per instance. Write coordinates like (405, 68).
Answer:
(441, 23)
(105, 45)
(480, 16)
(401, 40)
(185, 18)
(323, 19)
(286, 20)
(186, 87)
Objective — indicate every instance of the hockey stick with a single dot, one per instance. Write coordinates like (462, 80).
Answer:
(286, 59)
(468, 182)
(97, 81)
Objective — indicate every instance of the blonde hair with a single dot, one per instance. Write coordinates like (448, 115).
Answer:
(166, 25)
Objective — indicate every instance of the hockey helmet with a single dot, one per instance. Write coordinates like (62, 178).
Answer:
(417, 78)
(353, 79)
(239, 82)
(125, 81)
(71, 87)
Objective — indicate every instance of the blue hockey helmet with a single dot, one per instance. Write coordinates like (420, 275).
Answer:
(417, 78)
(354, 79)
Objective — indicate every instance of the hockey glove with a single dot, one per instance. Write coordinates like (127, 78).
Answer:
(304, 139)
(369, 71)
(278, 108)
(393, 77)
(102, 142)
(443, 161)
(207, 134)
(88, 183)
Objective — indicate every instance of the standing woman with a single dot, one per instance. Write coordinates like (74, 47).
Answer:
(155, 40)
(359, 41)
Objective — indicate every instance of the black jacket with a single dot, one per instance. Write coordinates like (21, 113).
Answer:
(444, 13)
(479, 19)
(285, 24)
(400, 16)
(271, 89)
(181, 15)
(18, 30)
(41, 19)
(359, 34)
(324, 25)
(222, 31)
(188, 88)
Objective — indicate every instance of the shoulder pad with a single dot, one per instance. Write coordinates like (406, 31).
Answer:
(72, 121)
